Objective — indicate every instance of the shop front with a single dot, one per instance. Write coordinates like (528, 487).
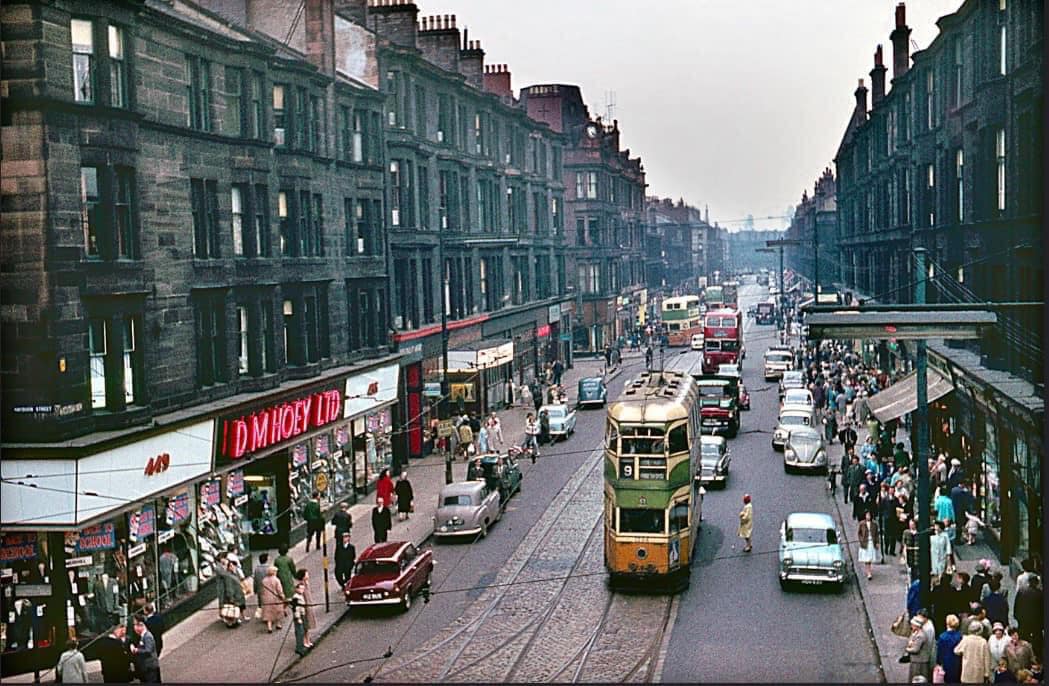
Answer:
(370, 402)
(88, 542)
(479, 376)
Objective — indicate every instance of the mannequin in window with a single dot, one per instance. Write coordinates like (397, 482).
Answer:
(20, 628)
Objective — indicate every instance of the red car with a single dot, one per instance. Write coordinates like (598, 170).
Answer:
(389, 574)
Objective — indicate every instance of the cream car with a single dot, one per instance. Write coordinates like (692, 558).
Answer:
(791, 417)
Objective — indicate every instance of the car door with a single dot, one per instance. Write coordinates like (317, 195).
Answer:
(490, 505)
(570, 423)
(409, 568)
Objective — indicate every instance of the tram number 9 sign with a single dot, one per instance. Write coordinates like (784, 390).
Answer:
(626, 469)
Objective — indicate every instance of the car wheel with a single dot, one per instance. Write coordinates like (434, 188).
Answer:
(783, 584)
(484, 529)
(406, 602)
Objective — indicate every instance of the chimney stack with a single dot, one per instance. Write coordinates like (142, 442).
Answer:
(901, 43)
(877, 79)
(394, 20)
(860, 113)
(497, 80)
(471, 62)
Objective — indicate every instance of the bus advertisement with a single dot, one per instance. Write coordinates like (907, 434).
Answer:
(682, 318)
(722, 339)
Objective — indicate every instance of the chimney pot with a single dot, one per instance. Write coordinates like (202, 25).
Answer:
(453, 21)
(901, 15)
(877, 56)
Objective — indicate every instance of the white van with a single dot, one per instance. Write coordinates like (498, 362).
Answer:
(697, 341)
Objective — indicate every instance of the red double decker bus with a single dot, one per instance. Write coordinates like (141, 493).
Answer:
(723, 339)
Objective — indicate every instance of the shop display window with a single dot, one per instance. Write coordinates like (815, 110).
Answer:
(380, 451)
(97, 566)
(321, 469)
(142, 557)
(218, 525)
(300, 481)
(258, 505)
(341, 465)
(25, 590)
(177, 561)
(363, 443)
(990, 490)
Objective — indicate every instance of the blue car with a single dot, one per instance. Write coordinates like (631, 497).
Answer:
(592, 391)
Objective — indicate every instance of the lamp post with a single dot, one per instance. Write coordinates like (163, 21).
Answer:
(442, 411)
(921, 438)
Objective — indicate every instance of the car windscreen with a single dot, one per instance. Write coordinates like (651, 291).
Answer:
(804, 440)
(777, 357)
(555, 412)
(710, 454)
(793, 396)
(377, 568)
(452, 500)
(817, 536)
(794, 420)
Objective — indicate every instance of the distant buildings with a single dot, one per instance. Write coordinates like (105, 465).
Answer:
(815, 227)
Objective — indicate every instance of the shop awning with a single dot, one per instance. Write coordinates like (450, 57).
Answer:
(902, 397)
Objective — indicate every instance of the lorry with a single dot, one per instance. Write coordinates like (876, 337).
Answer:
(719, 404)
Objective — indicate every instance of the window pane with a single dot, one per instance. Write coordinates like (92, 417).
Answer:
(242, 338)
(89, 208)
(237, 211)
(96, 336)
(83, 39)
(116, 43)
(129, 360)
(641, 521)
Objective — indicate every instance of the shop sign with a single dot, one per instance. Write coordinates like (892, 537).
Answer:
(142, 524)
(101, 537)
(210, 493)
(432, 390)
(178, 509)
(157, 464)
(371, 390)
(543, 331)
(18, 546)
(241, 500)
(276, 424)
(554, 313)
(136, 550)
(342, 435)
(235, 483)
(322, 446)
(566, 337)
(493, 357)
(82, 561)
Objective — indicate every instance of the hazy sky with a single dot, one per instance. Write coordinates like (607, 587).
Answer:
(738, 104)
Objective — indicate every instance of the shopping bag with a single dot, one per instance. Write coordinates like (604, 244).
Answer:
(229, 612)
(938, 675)
(901, 627)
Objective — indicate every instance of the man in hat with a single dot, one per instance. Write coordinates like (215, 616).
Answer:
(345, 557)
(955, 475)
(342, 521)
(919, 649)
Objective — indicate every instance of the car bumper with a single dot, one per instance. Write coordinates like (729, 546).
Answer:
(798, 464)
(814, 577)
(591, 401)
(393, 600)
(448, 532)
(778, 443)
(711, 478)
(771, 374)
(562, 431)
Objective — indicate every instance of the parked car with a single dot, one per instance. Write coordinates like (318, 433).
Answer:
(714, 460)
(562, 420)
(804, 449)
(592, 391)
(499, 472)
(794, 378)
(389, 574)
(798, 396)
(790, 417)
(809, 550)
(465, 508)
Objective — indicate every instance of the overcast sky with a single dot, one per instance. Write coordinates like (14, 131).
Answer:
(738, 104)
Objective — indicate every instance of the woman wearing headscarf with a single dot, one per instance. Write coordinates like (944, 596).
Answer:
(746, 522)
(271, 597)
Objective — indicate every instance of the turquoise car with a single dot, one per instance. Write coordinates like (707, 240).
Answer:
(809, 550)
(592, 391)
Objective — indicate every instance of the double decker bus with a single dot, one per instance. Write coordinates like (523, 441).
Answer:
(714, 297)
(652, 506)
(730, 289)
(722, 339)
(682, 318)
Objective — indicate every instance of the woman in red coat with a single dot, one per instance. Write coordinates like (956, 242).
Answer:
(384, 488)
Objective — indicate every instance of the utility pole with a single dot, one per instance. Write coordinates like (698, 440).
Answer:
(921, 440)
(445, 388)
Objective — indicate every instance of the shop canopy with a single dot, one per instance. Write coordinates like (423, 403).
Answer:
(902, 397)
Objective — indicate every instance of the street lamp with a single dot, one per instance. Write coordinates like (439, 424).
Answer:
(917, 322)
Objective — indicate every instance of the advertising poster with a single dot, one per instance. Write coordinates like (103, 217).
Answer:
(210, 493)
(299, 455)
(178, 509)
(142, 524)
(235, 484)
(101, 537)
(18, 546)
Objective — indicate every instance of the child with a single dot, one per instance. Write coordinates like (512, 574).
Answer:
(1002, 675)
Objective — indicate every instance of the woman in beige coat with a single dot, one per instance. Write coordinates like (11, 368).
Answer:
(976, 656)
(746, 522)
(272, 600)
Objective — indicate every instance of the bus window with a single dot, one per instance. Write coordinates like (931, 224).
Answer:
(678, 438)
(633, 521)
(730, 346)
(679, 517)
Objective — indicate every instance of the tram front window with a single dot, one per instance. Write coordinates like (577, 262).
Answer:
(637, 521)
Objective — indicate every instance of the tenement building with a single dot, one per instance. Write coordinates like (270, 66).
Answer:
(814, 230)
(949, 160)
(230, 228)
(686, 253)
(604, 217)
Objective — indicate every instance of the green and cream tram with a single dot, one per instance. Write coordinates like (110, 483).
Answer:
(652, 508)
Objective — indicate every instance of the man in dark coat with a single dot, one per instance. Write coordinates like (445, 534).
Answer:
(1027, 609)
(962, 500)
(558, 369)
(382, 522)
(888, 523)
(537, 395)
(147, 665)
(848, 436)
(314, 517)
(112, 651)
(405, 496)
(345, 557)
(854, 477)
(157, 625)
(342, 521)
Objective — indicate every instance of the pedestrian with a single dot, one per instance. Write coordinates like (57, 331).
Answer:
(861, 502)
(112, 651)
(887, 521)
(976, 657)
(746, 522)
(285, 570)
(830, 430)
(384, 486)
(995, 602)
(847, 436)
(1002, 675)
(532, 434)
(920, 651)
(944, 506)
(940, 549)
(1028, 609)
(998, 641)
(303, 579)
(495, 429)
(945, 655)
(342, 521)
(232, 602)
(559, 370)
(147, 665)
(482, 439)
(544, 427)
(855, 476)
(298, 618)
(955, 475)
(382, 522)
(258, 575)
(157, 625)
(942, 598)
(466, 439)
(537, 395)
(71, 667)
(910, 547)
(648, 357)
(868, 538)
(345, 557)
(405, 497)
(314, 517)
(271, 594)
(608, 357)
(900, 457)
(1018, 652)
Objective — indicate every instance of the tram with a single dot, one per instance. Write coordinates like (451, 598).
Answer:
(652, 507)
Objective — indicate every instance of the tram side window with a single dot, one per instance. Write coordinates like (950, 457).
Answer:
(679, 439)
(637, 521)
(611, 436)
(679, 517)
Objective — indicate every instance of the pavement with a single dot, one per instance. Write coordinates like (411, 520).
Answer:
(202, 649)
(885, 595)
